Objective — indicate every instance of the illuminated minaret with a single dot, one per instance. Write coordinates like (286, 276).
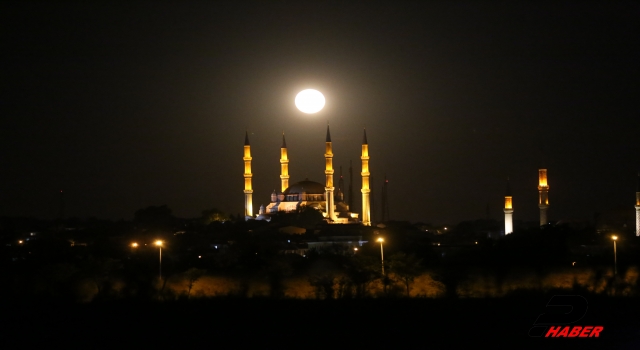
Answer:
(350, 185)
(543, 199)
(366, 204)
(248, 191)
(508, 211)
(284, 165)
(328, 156)
(638, 207)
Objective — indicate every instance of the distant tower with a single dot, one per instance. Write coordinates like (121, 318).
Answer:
(508, 211)
(248, 192)
(543, 199)
(350, 200)
(385, 201)
(340, 191)
(638, 207)
(328, 156)
(284, 165)
(366, 208)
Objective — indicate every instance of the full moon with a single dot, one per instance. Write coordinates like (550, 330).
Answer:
(310, 101)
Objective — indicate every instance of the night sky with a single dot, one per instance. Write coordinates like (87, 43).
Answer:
(126, 105)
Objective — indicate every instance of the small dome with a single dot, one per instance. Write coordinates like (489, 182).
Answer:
(306, 186)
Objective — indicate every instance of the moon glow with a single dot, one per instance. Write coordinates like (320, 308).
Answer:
(310, 101)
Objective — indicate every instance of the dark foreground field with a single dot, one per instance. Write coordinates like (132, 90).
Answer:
(266, 323)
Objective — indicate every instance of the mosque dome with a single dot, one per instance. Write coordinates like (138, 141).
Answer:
(306, 186)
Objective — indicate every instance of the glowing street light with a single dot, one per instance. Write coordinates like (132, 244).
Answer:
(381, 254)
(134, 247)
(159, 244)
(615, 256)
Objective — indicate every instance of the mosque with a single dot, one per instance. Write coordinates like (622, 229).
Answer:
(543, 202)
(325, 198)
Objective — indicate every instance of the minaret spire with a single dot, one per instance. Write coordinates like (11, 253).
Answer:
(340, 191)
(508, 210)
(284, 165)
(248, 191)
(328, 156)
(366, 203)
(638, 207)
(543, 199)
(350, 200)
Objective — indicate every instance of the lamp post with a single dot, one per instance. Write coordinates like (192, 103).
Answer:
(615, 256)
(381, 254)
(134, 247)
(159, 244)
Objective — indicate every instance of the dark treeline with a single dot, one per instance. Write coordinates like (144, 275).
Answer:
(219, 255)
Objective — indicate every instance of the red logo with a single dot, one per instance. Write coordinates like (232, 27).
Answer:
(560, 312)
(573, 332)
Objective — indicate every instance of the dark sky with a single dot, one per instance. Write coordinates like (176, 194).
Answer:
(125, 105)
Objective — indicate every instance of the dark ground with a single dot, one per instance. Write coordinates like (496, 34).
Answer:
(264, 323)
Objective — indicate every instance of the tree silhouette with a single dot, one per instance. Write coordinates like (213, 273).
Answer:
(193, 275)
(305, 216)
(214, 215)
(324, 285)
(362, 270)
(405, 267)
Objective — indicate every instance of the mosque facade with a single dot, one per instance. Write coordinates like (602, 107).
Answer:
(326, 198)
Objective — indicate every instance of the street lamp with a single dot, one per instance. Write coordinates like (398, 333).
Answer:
(134, 247)
(159, 244)
(615, 256)
(381, 254)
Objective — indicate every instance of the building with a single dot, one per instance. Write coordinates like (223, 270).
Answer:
(326, 198)
(543, 197)
(508, 211)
